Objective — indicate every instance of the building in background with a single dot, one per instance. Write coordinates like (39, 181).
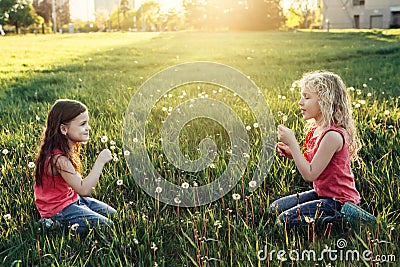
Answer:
(360, 14)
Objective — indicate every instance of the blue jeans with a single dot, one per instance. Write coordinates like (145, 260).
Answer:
(304, 208)
(85, 212)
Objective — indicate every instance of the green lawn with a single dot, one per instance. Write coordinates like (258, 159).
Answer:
(104, 70)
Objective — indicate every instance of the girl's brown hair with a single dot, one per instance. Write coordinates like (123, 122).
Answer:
(62, 112)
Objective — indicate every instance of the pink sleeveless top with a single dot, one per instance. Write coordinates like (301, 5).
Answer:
(337, 180)
(54, 194)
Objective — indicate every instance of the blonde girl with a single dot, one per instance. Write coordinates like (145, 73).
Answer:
(330, 144)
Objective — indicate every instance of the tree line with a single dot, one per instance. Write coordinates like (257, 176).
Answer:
(37, 16)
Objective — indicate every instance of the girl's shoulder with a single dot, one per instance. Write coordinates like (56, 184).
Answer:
(342, 131)
(57, 151)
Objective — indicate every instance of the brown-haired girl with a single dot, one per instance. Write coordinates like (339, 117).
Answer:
(61, 194)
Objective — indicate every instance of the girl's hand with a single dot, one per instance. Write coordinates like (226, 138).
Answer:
(284, 150)
(104, 156)
(286, 136)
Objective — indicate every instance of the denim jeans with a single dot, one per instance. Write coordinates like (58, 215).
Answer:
(86, 211)
(305, 207)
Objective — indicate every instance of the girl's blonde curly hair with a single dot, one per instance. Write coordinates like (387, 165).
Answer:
(334, 104)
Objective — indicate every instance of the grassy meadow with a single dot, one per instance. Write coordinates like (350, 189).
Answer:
(104, 71)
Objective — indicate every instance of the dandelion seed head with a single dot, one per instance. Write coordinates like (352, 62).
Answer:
(236, 196)
(74, 227)
(308, 219)
(104, 139)
(185, 185)
(5, 151)
(31, 165)
(158, 190)
(7, 217)
(252, 184)
(120, 182)
(177, 200)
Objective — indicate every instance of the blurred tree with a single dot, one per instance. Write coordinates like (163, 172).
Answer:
(173, 20)
(124, 7)
(101, 18)
(237, 15)
(195, 13)
(44, 9)
(20, 15)
(5, 7)
(303, 14)
(260, 15)
(148, 16)
(63, 14)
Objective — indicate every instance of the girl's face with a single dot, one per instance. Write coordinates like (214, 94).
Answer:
(78, 129)
(309, 105)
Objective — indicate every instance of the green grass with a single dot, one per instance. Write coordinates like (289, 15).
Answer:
(105, 70)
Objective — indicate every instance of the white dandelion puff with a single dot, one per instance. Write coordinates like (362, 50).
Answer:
(236, 196)
(158, 190)
(185, 185)
(252, 184)
(31, 165)
(74, 227)
(104, 139)
(177, 200)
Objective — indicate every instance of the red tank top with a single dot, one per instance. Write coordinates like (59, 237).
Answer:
(337, 180)
(54, 194)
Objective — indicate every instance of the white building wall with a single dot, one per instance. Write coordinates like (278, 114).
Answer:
(340, 14)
